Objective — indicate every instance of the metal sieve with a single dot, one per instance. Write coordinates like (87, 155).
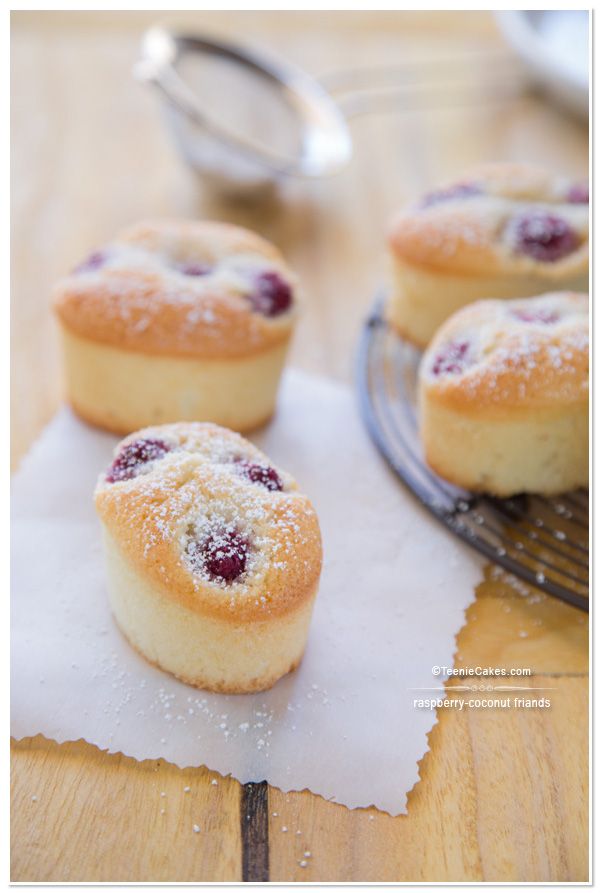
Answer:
(246, 120)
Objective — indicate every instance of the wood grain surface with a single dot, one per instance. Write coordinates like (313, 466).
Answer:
(503, 794)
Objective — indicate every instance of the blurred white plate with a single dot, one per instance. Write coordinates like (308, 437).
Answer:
(554, 45)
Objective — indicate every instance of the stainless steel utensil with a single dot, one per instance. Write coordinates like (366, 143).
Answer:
(246, 120)
(284, 122)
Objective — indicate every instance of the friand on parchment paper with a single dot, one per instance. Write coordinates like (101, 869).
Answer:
(393, 596)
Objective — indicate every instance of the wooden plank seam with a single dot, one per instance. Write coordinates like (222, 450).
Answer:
(254, 821)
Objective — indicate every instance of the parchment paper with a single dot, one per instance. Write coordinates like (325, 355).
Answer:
(394, 590)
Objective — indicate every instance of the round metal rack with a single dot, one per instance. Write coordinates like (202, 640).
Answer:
(544, 541)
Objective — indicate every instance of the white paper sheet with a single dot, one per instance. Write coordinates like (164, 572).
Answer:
(394, 590)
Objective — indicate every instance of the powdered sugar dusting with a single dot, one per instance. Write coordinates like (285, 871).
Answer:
(183, 282)
(182, 287)
(486, 211)
(510, 344)
(229, 532)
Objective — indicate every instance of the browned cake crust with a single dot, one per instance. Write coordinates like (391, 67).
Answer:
(177, 288)
(474, 227)
(200, 486)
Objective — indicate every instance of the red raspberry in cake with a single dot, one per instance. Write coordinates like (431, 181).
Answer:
(272, 295)
(133, 456)
(458, 190)
(452, 359)
(544, 237)
(193, 268)
(221, 554)
(579, 194)
(261, 474)
(541, 315)
(95, 260)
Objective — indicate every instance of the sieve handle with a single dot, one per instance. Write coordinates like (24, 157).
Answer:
(427, 83)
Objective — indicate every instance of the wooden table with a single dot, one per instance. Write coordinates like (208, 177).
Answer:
(503, 795)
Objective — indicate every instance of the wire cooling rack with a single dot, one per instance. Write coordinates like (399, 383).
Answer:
(544, 541)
